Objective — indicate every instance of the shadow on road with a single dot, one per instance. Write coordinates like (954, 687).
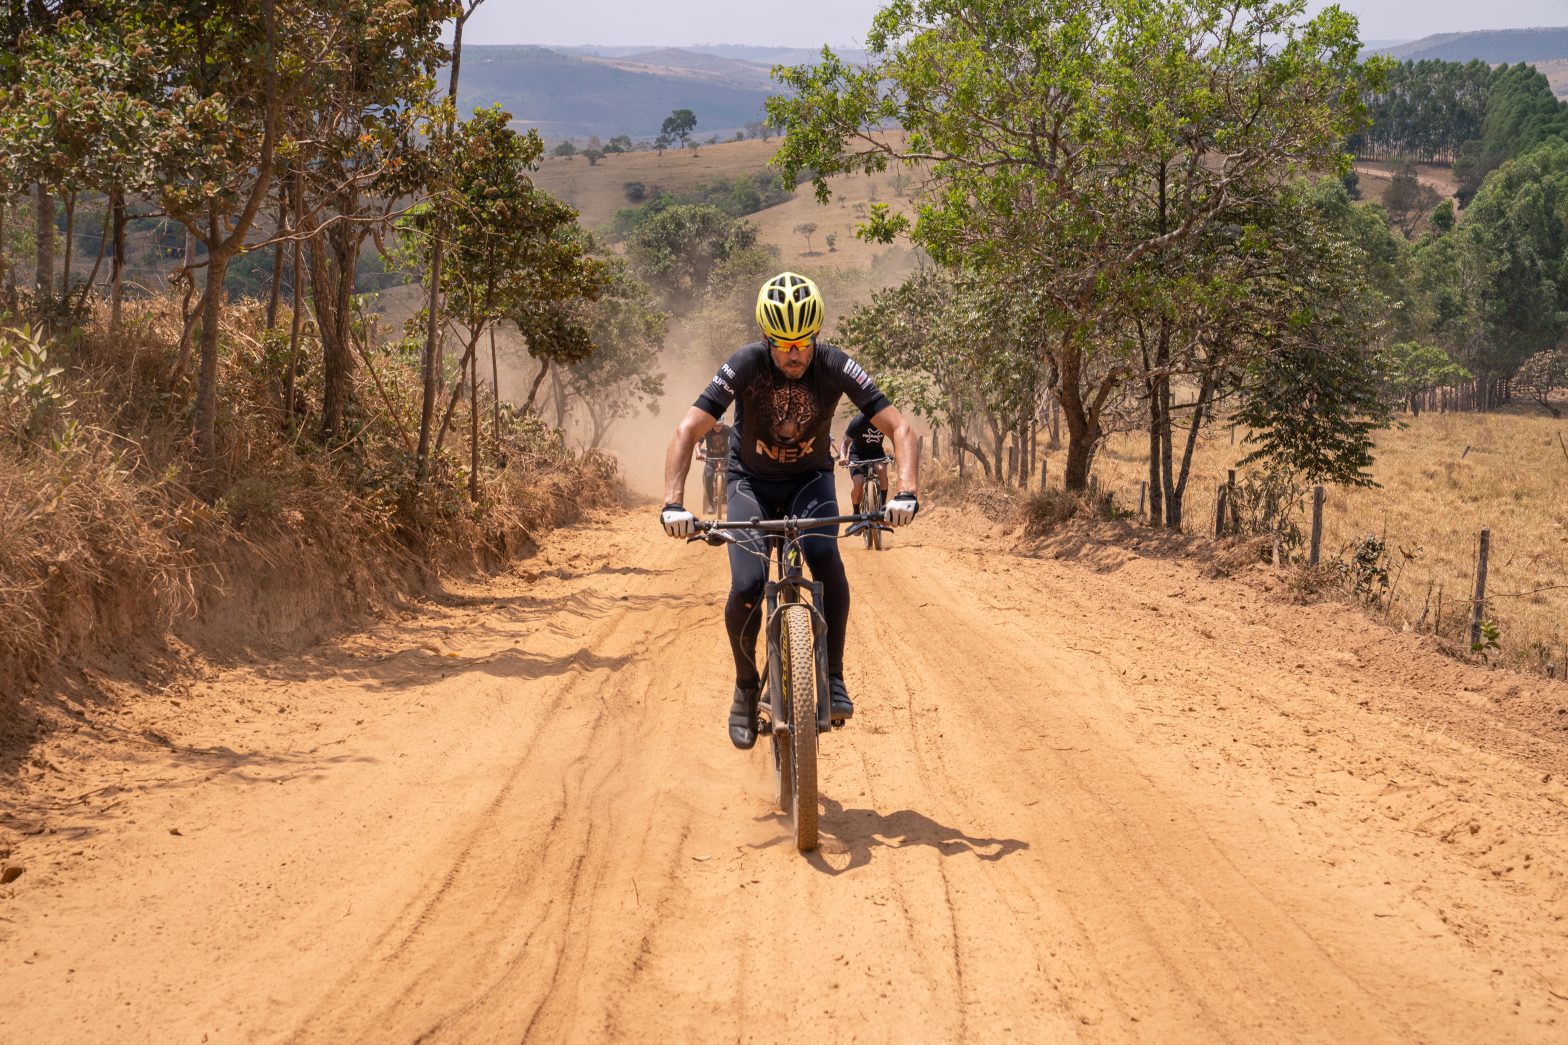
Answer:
(856, 832)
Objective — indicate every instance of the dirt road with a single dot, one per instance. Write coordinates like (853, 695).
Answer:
(1090, 797)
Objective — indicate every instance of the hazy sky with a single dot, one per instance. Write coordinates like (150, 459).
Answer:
(810, 23)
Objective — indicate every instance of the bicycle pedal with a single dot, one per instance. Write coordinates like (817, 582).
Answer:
(840, 723)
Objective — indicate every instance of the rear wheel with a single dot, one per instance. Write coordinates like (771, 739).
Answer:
(800, 697)
(871, 501)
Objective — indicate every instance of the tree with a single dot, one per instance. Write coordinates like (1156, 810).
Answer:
(512, 251)
(357, 152)
(807, 229)
(622, 375)
(1048, 130)
(677, 126)
(566, 149)
(1541, 376)
(1516, 228)
(1414, 368)
(1408, 199)
(958, 354)
(677, 249)
(619, 143)
(593, 156)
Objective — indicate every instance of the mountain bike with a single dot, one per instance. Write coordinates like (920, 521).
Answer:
(715, 497)
(798, 703)
(870, 496)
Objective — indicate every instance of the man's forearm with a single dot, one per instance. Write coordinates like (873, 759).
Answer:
(908, 450)
(677, 462)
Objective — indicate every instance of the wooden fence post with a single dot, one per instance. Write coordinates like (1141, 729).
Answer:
(1480, 588)
(1230, 499)
(1219, 512)
(1317, 526)
(1143, 491)
(1094, 486)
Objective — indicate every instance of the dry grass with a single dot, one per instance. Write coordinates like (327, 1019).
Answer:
(1432, 501)
(104, 536)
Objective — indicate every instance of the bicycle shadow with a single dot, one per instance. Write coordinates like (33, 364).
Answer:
(857, 832)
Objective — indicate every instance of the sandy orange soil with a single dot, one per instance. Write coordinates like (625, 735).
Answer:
(1089, 794)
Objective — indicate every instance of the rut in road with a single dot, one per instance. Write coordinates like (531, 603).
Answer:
(1092, 798)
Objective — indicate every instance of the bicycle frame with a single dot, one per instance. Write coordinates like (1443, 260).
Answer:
(787, 586)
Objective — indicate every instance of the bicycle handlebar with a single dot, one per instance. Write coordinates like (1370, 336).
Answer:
(715, 530)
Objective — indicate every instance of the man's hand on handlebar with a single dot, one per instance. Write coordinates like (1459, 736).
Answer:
(677, 521)
(902, 509)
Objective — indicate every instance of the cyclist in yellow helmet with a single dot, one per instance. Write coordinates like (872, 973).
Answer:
(785, 389)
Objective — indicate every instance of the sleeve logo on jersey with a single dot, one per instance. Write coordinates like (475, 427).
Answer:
(717, 380)
(856, 373)
(725, 367)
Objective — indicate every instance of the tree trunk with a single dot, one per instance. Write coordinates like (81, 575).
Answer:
(1173, 507)
(70, 243)
(207, 374)
(334, 254)
(296, 320)
(187, 313)
(473, 426)
(43, 245)
(117, 271)
(275, 292)
(533, 390)
(495, 386)
(457, 393)
(432, 354)
(1083, 426)
(103, 248)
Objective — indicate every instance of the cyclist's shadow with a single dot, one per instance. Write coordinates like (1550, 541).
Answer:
(856, 832)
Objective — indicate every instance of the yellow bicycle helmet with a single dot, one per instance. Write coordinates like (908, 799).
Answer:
(789, 307)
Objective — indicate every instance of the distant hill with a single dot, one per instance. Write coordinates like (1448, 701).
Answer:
(576, 95)
(763, 56)
(1493, 46)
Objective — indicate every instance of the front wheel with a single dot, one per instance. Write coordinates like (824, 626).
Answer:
(800, 697)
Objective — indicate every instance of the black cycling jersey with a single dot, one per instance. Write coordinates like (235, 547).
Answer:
(865, 439)
(717, 441)
(783, 427)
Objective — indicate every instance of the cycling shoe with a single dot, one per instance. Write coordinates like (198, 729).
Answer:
(843, 709)
(743, 718)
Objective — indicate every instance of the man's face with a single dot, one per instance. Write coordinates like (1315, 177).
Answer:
(792, 357)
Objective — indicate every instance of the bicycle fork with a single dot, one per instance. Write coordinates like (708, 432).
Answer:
(785, 592)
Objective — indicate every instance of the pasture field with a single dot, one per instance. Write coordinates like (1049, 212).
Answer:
(599, 190)
(1441, 478)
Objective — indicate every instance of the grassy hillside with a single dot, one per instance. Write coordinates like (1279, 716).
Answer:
(599, 190)
(1494, 46)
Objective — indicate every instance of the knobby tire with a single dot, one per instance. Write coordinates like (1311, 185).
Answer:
(799, 661)
(871, 501)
